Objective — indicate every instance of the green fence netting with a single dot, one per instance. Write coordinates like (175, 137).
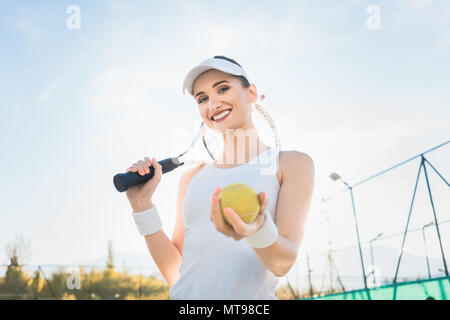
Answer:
(437, 288)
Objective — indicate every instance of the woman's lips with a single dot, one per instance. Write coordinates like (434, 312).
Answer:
(222, 119)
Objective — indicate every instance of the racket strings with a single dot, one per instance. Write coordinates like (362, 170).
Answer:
(213, 142)
(272, 130)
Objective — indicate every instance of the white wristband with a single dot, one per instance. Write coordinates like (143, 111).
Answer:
(147, 221)
(266, 235)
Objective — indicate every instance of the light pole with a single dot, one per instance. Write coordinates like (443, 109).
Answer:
(311, 291)
(425, 245)
(371, 255)
(335, 177)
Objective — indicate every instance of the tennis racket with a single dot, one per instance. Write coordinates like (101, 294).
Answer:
(208, 140)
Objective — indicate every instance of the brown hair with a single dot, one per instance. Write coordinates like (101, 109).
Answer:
(244, 81)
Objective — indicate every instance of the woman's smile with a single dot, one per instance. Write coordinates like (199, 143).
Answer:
(221, 116)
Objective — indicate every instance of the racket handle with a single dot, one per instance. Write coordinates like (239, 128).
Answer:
(124, 181)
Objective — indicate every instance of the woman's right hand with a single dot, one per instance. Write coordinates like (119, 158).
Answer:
(140, 196)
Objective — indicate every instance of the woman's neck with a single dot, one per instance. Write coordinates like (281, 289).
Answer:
(241, 146)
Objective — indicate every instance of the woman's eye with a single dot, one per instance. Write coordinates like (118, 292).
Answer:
(223, 89)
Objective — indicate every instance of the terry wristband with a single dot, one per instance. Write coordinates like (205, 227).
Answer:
(266, 235)
(147, 221)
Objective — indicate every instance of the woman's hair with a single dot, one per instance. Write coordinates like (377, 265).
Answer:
(244, 81)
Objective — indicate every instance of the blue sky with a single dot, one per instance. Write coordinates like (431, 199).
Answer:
(80, 105)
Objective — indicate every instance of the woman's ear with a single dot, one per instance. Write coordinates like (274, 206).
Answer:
(253, 94)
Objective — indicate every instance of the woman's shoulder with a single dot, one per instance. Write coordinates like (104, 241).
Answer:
(293, 160)
(294, 155)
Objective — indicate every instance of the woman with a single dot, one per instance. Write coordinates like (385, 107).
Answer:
(206, 258)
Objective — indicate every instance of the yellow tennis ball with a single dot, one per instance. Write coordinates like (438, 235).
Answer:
(242, 199)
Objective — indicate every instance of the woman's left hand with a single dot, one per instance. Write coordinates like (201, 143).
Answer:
(238, 229)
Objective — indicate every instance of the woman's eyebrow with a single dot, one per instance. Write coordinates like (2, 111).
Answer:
(214, 85)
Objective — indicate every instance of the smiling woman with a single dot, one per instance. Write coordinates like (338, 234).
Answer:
(206, 258)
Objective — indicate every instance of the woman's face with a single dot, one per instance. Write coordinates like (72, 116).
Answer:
(220, 94)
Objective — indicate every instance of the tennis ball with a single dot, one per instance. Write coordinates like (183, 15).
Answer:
(242, 199)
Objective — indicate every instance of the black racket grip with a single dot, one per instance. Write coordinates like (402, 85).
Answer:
(124, 181)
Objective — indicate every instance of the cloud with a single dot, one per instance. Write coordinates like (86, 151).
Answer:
(257, 31)
(32, 32)
(415, 4)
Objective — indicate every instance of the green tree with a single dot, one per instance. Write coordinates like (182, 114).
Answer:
(15, 282)
(110, 259)
(37, 284)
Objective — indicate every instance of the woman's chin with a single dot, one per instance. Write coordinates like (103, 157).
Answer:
(223, 125)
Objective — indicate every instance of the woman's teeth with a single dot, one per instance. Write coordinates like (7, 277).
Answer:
(221, 115)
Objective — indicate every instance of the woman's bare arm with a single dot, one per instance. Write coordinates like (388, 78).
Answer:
(292, 210)
(165, 252)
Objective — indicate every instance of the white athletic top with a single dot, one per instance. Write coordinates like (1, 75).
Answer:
(213, 266)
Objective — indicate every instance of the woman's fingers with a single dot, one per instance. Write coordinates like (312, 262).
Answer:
(142, 166)
(238, 225)
(157, 169)
(237, 237)
(216, 214)
(147, 164)
(262, 197)
(263, 200)
(215, 211)
(215, 206)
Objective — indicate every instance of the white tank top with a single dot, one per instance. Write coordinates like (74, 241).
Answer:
(213, 266)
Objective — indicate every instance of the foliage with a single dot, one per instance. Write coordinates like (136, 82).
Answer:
(104, 284)
(286, 292)
(96, 284)
(18, 251)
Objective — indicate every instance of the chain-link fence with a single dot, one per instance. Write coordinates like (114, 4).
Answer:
(400, 217)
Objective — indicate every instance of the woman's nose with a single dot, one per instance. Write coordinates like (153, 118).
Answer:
(213, 104)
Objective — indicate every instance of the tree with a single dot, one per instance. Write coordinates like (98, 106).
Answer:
(18, 251)
(37, 284)
(110, 260)
(16, 281)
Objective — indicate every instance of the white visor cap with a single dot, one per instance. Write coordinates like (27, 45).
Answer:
(217, 63)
